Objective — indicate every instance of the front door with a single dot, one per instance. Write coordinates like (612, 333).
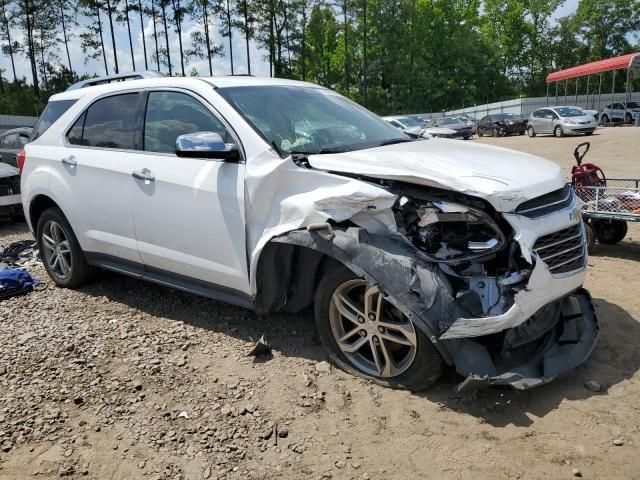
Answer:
(188, 212)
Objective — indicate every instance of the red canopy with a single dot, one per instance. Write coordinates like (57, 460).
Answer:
(616, 63)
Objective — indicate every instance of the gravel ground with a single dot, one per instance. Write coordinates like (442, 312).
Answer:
(125, 380)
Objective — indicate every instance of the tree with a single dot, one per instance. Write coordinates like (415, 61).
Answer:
(92, 39)
(5, 36)
(140, 11)
(177, 18)
(111, 11)
(202, 38)
(123, 16)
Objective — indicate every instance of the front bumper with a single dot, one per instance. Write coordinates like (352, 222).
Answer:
(558, 338)
(587, 128)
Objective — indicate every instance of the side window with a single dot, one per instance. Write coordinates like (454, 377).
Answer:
(110, 122)
(618, 106)
(171, 114)
(74, 135)
(52, 112)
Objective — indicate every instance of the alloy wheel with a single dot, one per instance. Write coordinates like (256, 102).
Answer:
(56, 250)
(372, 334)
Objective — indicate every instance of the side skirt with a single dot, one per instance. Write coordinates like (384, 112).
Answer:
(169, 279)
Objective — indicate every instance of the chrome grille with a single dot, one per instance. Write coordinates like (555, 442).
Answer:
(548, 203)
(562, 251)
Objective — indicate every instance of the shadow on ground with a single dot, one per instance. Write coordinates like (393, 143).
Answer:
(615, 359)
(625, 250)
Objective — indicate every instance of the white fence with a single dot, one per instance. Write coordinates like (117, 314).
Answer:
(524, 106)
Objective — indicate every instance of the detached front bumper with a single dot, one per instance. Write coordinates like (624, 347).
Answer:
(558, 338)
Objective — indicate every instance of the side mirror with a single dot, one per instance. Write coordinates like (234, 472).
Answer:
(206, 145)
(413, 132)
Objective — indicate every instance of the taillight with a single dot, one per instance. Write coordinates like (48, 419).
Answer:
(21, 159)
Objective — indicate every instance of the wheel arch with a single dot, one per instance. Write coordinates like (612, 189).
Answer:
(37, 206)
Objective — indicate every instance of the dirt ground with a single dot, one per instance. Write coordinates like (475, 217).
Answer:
(125, 380)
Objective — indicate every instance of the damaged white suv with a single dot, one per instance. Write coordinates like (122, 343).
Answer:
(280, 195)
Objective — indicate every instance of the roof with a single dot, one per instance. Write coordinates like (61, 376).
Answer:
(616, 63)
(216, 82)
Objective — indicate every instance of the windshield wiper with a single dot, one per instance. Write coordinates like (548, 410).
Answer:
(394, 141)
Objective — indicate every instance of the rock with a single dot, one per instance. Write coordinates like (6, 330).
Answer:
(618, 442)
(593, 386)
(323, 367)
(298, 449)
(137, 386)
(207, 473)
(577, 473)
(78, 401)
(341, 464)
(283, 432)
(365, 475)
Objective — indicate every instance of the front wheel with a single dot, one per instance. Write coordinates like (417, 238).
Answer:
(531, 132)
(367, 336)
(558, 132)
(60, 251)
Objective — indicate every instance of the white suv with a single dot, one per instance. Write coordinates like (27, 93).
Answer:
(620, 111)
(280, 195)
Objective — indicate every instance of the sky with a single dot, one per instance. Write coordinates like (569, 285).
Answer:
(221, 65)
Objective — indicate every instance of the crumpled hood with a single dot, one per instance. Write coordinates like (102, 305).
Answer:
(503, 177)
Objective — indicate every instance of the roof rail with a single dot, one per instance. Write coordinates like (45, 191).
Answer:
(121, 77)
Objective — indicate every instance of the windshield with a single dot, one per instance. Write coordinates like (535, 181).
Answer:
(309, 120)
(446, 121)
(410, 122)
(505, 116)
(633, 105)
(570, 112)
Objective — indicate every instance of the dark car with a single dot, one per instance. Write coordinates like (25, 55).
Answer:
(461, 127)
(501, 124)
(11, 142)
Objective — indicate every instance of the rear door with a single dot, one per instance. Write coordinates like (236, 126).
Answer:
(189, 213)
(617, 111)
(95, 171)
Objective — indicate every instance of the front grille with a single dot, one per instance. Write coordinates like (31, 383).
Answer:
(10, 185)
(548, 203)
(562, 251)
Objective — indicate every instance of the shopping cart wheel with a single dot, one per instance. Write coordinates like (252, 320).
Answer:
(591, 237)
(610, 232)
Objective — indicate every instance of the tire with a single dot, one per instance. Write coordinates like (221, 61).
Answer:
(480, 134)
(495, 132)
(628, 118)
(610, 232)
(521, 132)
(591, 237)
(605, 119)
(418, 366)
(531, 132)
(53, 226)
(558, 132)
(588, 133)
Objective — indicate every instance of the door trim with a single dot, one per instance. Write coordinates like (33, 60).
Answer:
(168, 279)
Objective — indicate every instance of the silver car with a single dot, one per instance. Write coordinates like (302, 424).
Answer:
(560, 121)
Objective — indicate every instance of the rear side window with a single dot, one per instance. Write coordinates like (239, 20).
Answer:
(52, 112)
(110, 123)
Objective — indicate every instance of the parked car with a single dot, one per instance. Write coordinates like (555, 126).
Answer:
(463, 130)
(11, 142)
(277, 195)
(418, 128)
(560, 121)
(501, 124)
(469, 121)
(620, 111)
(10, 200)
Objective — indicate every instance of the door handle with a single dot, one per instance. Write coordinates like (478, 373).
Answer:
(70, 161)
(144, 174)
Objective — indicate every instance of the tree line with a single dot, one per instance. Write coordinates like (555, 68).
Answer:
(391, 55)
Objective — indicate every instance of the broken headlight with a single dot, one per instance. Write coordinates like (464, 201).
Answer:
(449, 232)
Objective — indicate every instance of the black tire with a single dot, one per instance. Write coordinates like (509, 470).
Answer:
(521, 132)
(80, 271)
(628, 118)
(480, 134)
(495, 132)
(610, 232)
(588, 133)
(605, 119)
(531, 132)
(591, 237)
(425, 368)
(558, 132)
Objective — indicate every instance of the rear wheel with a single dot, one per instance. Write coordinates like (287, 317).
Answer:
(367, 336)
(605, 118)
(60, 251)
(610, 232)
(627, 118)
(531, 132)
(495, 132)
(558, 132)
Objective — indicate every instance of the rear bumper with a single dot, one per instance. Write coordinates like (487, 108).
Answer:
(557, 339)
